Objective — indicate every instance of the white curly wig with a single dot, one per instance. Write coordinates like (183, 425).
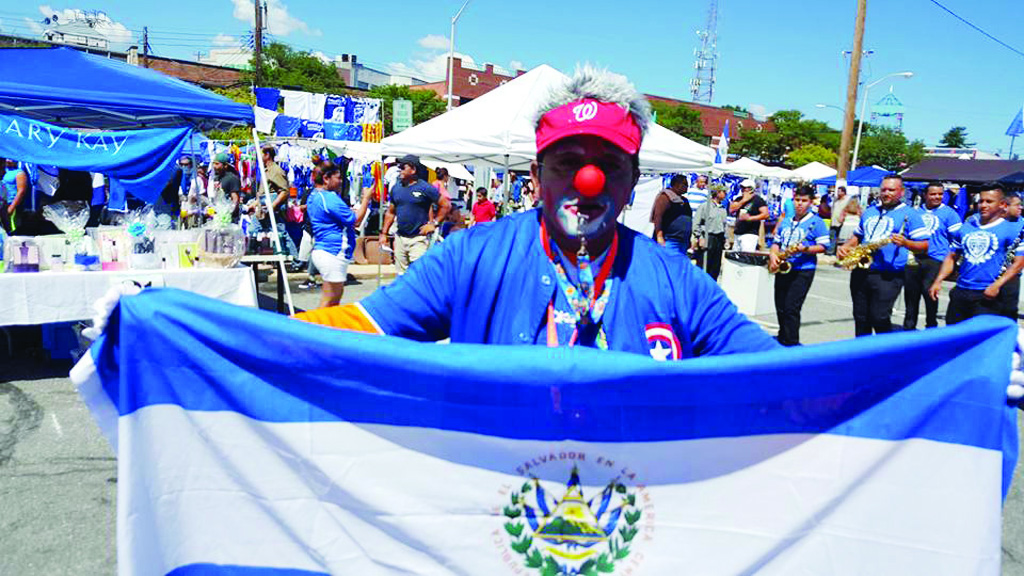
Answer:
(601, 85)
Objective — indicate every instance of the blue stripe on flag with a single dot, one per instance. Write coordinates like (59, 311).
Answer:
(173, 347)
(225, 570)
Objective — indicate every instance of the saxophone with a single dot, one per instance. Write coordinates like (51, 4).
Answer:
(862, 255)
(785, 267)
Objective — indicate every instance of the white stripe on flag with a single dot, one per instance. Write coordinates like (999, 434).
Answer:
(378, 499)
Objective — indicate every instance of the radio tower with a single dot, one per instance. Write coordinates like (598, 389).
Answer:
(702, 86)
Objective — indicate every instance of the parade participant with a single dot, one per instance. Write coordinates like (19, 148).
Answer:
(483, 209)
(699, 194)
(566, 274)
(1012, 287)
(410, 201)
(942, 223)
(709, 233)
(806, 236)
(750, 210)
(900, 228)
(672, 216)
(992, 255)
(14, 192)
(334, 232)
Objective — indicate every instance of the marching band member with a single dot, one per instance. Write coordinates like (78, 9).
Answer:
(1012, 287)
(566, 274)
(942, 223)
(992, 255)
(874, 290)
(801, 239)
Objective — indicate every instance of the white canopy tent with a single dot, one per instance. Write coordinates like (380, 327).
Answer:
(746, 167)
(813, 171)
(496, 130)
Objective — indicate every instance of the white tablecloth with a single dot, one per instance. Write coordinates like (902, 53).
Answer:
(43, 297)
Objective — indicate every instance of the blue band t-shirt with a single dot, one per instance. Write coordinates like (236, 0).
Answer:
(809, 230)
(878, 223)
(984, 247)
(942, 223)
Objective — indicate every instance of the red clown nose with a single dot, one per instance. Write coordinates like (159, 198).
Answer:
(589, 181)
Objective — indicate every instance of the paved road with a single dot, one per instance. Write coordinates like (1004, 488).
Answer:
(58, 477)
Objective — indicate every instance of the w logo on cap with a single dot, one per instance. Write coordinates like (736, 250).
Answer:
(585, 111)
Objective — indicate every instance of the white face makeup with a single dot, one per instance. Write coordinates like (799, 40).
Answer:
(589, 219)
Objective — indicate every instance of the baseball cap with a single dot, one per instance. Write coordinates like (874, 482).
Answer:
(409, 159)
(223, 158)
(606, 120)
(748, 183)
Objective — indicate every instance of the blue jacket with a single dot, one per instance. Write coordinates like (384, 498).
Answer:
(492, 284)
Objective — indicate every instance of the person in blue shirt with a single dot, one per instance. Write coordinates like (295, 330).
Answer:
(807, 234)
(567, 274)
(14, 194)
(874, 290)
(411, 202)
(992, 254)
(1012, 214)
(334, 232)
(943, 224)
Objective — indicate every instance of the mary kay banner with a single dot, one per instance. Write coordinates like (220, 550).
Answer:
(141, 160)
(251, 443)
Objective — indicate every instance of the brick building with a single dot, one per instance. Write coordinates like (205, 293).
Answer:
(470, 82)
(713, 119)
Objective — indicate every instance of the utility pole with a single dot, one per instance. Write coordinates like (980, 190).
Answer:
(145, 46)
(257, 47)
(851, 91)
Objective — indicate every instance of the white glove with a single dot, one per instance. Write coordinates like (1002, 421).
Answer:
(106, 304)
(1015, 391)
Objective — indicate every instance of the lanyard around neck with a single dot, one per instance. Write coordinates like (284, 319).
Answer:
(587, 301)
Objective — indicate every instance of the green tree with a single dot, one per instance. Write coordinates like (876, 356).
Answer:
(735, 108)
(242, 95)
(955, 137)
(680, 119)
(425, 103)
(284, 66)
(888, 148)
(765, 147)
(811, 153)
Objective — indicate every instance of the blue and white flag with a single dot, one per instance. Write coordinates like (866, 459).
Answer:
(722, 151)
(250, 443)
(1016, 127)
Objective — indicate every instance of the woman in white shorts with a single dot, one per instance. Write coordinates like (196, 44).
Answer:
(334, 232)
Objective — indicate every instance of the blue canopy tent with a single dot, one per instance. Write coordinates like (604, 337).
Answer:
(70, 88)
(53, 99)
(868, 176)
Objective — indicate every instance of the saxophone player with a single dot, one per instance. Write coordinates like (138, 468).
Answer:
(874, 290)
(992, 256)
(804, 236)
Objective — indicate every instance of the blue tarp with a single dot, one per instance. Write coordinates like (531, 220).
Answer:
(70, 88)
(138, 161)
(866, 176)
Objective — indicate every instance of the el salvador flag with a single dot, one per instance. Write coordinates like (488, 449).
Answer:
(722, 152)
(1016, 127)
(319, 451)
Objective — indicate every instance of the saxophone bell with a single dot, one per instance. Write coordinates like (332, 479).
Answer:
(784, 267)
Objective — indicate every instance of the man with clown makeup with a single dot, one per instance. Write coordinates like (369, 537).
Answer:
(566, 274)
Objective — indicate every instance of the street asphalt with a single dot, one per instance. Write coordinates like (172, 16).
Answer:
(58, 476)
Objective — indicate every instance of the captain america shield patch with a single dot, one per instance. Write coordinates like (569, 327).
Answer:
(662, 341)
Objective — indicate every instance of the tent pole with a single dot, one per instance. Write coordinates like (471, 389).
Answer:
(384, 192)
(283, 274)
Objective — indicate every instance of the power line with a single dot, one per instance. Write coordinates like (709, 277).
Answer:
(965, 21)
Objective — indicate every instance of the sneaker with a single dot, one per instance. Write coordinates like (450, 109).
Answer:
(308, 285)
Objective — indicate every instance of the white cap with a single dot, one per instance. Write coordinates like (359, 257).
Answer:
(748, 183)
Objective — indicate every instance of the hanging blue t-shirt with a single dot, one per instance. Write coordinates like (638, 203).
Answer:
(333, 223)
(286, 125)
(878, 223)
(809, 230)
(350, 110)
(335, 105)
(984, 247)
(942, 223)
(334, 131)
(267, 98)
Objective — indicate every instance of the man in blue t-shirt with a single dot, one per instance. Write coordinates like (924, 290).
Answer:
(412, 201)
(874, 290)
(943, 224)
(992, 255)
(807, 234)
(567, 274)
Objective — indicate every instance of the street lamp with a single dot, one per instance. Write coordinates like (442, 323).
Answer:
(832, 106)
(451, 53)
(863, 110)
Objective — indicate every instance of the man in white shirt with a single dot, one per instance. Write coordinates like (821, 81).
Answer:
(698, 194)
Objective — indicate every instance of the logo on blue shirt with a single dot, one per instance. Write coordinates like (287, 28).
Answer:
(662, 341)
(878, 228)
(931, 222)
(979, 246)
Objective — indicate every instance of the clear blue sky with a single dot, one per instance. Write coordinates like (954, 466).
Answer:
(780, 55)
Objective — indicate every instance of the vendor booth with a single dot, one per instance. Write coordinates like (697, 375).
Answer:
(83, 112)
